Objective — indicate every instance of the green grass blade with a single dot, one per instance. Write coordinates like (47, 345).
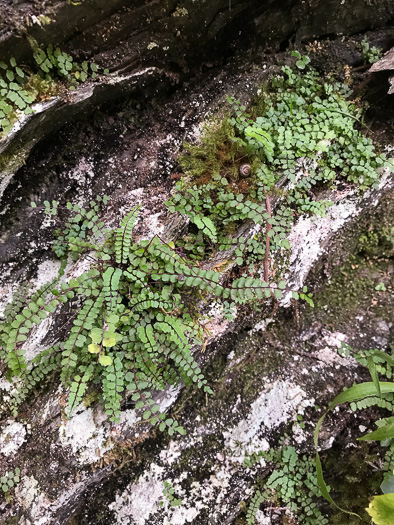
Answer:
(384, 432)
(319, 471)
(360, 391)
(374, 374)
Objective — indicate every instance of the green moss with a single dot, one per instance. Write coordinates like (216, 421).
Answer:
(353, 285)
(244, 376)
(215, 153)
(90, 398)
(41, 88)
(349, 284)
(13, 520)
(353, 481)
(12, 159)
(377, 242)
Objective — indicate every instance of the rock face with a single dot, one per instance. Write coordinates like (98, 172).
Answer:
(386, 64)
(171, 65)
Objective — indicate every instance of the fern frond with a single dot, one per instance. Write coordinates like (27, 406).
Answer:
(254, 506)
(123, 235)
(113, 386)
(78, 388)
(206, 226)
(111, 279)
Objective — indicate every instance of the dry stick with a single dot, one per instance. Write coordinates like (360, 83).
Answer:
(267, 240)
(266, 256)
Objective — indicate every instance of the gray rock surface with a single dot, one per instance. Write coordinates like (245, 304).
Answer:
(121, 136)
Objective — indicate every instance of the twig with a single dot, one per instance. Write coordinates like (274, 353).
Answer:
(361, 68)
(267, 241)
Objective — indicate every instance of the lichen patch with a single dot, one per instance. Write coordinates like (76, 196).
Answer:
(27, 491)
(273, 407)
(139, 501)
(12, 438)
(84, 436)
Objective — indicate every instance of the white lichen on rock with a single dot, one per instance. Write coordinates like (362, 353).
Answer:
(88, 432)
(279, 404)
(47, 271)
(26, 491)
(309, 236)
(140, 500)
(12, 438)
(86, 435)
(283, 401)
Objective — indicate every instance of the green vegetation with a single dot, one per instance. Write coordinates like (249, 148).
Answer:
(21, 86)
(133, 320)
(9, 480)
(168, 492)
(301, 134)
(132, 330)
(377, 361)
(291, 484)
(370, 54)
(297, 481)
(381, 509)
(361, 396)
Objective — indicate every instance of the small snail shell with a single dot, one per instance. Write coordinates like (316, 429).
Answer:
(244, 170)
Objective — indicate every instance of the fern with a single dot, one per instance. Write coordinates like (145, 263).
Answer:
(297, 136)
(133, 319)
(383, 365)
(113, 387)
(293, 481)
(21, 86)
(254, 505)
(131, 332)
(206, 226)
(9, 480)
(123, 236)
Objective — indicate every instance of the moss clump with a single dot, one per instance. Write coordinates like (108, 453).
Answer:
(22, 86)
(11, 160)
(350, 284)
(41, 89)
(215, 154)
(377, 242)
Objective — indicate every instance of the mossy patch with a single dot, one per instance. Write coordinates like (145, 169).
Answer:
(12, 160)
(350, 284)
(353, 480)
(216, 153)
(362, 282)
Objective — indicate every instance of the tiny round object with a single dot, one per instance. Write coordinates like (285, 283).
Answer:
(244, 170)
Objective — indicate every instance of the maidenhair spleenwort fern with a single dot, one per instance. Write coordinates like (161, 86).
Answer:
(300, 135)
(254, 506)
(123, 236)
(292, 483)
(129, 324)
(131, 320)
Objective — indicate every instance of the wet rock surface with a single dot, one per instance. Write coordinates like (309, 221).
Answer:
(124, 142)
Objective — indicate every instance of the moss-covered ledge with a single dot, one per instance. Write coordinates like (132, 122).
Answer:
(48, 117)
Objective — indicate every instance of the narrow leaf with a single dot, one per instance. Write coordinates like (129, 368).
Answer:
(384, 432)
